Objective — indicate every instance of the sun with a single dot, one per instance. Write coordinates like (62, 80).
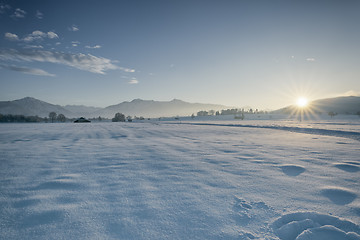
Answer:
(302, 102)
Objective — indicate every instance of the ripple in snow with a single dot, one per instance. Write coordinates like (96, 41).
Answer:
(310, 225)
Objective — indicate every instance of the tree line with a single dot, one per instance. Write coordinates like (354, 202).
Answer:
(120, 117)
(233, 111)
(9, 118)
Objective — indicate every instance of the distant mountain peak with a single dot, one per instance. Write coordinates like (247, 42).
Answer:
(137, 100)
(177, 100)
(28, 99)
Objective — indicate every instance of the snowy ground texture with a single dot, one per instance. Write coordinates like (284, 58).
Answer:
(165, 180)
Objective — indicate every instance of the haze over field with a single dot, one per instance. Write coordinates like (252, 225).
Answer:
(149, 108)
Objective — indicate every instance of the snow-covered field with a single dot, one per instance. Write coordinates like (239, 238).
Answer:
(194, 180)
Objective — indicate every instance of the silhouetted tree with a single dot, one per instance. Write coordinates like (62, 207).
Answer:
(240, 117)
(332, 114)
(61, 117)
(19, 118)
(119, 117)
(52, 116)
(233, 111)
(202, 113)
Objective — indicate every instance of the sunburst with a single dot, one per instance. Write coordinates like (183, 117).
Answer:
(302, 102)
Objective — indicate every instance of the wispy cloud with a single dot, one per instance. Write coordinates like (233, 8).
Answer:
(351, 93)
(34, 46)
(129, 70)
(74, 28)
(11, 36)
(31, 71)
(85, 62)
(310, 59)
(94, 47)
(39, 15)
(34, 36)
(133, 81)
(19, 13)
(4, 8)
(75, 43)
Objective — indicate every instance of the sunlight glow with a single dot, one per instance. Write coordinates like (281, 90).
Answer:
(301, 102)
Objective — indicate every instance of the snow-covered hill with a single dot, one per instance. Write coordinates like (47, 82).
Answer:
(150, 108)
(29, 106)
(340, 105)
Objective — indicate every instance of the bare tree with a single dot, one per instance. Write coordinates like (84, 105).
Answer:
(332, 114)
(52, 116)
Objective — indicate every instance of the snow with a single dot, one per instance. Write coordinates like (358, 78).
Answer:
(201, 179)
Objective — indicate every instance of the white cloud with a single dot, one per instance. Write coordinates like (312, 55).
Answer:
(11, 36)
(19, 13)
(86, 62)
(52, 35)
(39, 14)
(31, 71)
(94, 47)
(73, 28)
(310, 59)
(133, 81)
(39, 36)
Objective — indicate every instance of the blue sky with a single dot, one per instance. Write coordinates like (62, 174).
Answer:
(262, 54)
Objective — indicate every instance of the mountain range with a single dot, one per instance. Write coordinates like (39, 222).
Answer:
(29, 106)
(148, 108)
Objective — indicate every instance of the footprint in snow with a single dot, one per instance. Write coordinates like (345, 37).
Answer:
(339, 196)
(292, 170)
(312, 225)
(244, 210)
(347, 167)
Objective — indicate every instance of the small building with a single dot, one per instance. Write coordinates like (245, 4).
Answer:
(82, 120)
